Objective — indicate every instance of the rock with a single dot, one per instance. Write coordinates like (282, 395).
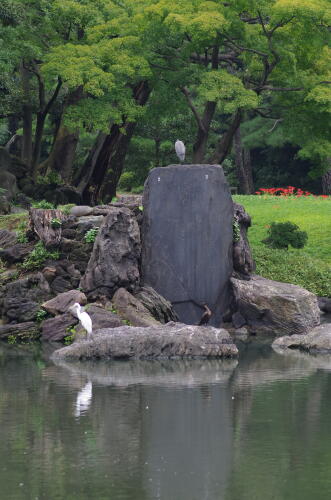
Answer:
(317, 340)
(101, 318)
(114, 262)
(243, 262)
(49, 273)
(238, 320)
(81, 210)
(275, 308)
(56, 329)
(173, 340)
(131, 309)
(8, 183)
(22, 298)
(86, 223)
(158, 306)
(7, 238)
(16, 253)
(61, 285)
(324, 303)
(4, 205)
(186, 206)
(62, 302)
(21, 331)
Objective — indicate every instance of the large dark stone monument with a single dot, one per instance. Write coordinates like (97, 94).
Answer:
(187, 239)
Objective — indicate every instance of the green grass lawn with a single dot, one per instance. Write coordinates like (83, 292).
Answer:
(309, 267)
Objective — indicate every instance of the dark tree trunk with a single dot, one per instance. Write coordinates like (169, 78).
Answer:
(326, 183)
(109, 163)
(37, 143)
(200, 144)
(27, 116)
(243, 165)
(63, 153)
(225, 142)
(83, 176)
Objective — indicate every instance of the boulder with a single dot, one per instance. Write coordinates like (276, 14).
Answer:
(173, 340)
(158, 306)
(56, 329)
(8, 183)
(62, 302)
(131, 309)
(324, 303)
(114, 262)
(275, 308)
(22, 298)
(88, 222)
(16, 253)
(243, 263)
(101, 318)
(21, 331)
(317, 340)
(81, 210)
(7, 238)
(187, 239)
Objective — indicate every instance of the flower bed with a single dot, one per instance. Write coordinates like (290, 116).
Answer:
(288, 191)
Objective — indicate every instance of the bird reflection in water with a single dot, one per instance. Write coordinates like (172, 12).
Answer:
(83, 400)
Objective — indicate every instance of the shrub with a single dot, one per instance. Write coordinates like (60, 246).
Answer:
(283, 234)
(41, 314)
(126, 181)
(46, 205)
(38, 256)
(66, 208)
(91, 234)
(21, 232)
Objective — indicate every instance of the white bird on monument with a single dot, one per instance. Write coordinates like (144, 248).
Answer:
(84, 318)
(180, 150)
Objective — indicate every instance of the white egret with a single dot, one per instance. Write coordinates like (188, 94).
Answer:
(180, 150)
(83, 317)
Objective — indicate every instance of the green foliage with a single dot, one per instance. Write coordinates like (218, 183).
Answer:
(21, 232)
(46, 205)
(41, 314)
(66, 208)
(38, 256)
(126, 182)
(91, 234)
(53, 179)
(235, 229)
(285, 234)
(56, 223)
(12, 339)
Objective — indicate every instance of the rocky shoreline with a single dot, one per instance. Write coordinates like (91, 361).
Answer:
(104, 276)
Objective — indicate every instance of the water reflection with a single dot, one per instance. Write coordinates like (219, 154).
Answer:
(218, 430)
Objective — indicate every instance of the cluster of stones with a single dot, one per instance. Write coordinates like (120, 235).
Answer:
(132, 320)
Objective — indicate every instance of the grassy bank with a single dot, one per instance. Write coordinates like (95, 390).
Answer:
(309, 267)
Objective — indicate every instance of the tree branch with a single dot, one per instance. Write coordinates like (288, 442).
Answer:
(54, 96)
(194, 110)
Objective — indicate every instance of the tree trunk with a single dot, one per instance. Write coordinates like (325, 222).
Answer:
(243, 165)
(225, 142)
(326, 182)
(47, 225)
(109, 163)
(200, 144)
(83, 176)
(37, 143)
(27, 116)
(63, 153)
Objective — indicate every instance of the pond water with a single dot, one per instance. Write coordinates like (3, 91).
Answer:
(257, 429)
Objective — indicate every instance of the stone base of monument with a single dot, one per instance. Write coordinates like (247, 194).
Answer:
(187, 239)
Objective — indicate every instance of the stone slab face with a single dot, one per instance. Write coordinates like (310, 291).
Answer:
(187, 239)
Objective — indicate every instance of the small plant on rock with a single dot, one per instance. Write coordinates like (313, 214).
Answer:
(283, 234)
(91, 234)
(41, 314)
(38, 256)
(21, 232)
(235, 229)
(56, 223)
(46, 205)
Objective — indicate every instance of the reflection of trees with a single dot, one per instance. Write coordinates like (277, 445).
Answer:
(281, 425)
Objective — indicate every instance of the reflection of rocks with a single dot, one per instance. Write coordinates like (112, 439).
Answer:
(173, 340)
(315, 362)
(317, 340)
(275, 308)
(161, 373)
